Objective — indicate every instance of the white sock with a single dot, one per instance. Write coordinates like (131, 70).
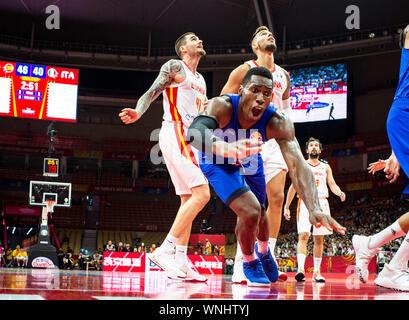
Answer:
(386, 235)
(272, 245)
(248, 258)
(181, 255)
(300, 261)
(239, 253)
(169, 243)
(317, 264)
(401, 257)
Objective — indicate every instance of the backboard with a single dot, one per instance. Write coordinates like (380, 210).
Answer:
(42, 191)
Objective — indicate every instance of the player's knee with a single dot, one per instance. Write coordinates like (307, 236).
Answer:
(277, 200)
(318, 240)
(303, 237)
(250, 216)
(202, 196)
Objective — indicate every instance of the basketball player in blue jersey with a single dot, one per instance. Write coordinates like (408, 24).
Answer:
(234, 167)
(264, 47)
(394, 275)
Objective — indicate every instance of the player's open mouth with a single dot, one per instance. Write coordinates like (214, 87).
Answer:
(256, 111)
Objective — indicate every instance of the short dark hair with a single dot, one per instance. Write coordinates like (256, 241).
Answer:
(311, 140)
(180, 42)
(257, 71)
(403, 37)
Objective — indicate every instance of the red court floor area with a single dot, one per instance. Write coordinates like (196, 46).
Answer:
(54, 284)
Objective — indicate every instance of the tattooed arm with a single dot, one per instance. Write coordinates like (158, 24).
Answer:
(171, 72)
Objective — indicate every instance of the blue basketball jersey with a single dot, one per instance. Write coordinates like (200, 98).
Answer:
(233, 132)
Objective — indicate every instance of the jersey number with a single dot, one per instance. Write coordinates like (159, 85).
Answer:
(198, 104)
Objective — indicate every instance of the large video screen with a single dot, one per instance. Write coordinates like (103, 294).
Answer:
(319, 93)
(38, 92)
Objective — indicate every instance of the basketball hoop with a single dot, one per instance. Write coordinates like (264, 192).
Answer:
(50, 205)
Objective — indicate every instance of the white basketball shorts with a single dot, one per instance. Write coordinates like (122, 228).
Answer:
(180, 158)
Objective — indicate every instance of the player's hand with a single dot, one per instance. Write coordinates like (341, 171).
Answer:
(287, 214)
(342, 196)
(318, 219)
(392, 168)
(129, 115)
(376, 166)
(239, 149)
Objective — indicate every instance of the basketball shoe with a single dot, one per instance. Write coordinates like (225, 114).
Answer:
(191, 274)
(393, 279)
(317, 277)
(255, 275)
(363, 256)
(300, 276)
(269, 265)
(238, 274)
(166, 261)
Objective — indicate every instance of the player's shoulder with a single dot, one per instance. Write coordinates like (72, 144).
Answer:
(173, 65)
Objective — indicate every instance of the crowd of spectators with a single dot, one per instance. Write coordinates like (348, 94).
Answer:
(16, 258)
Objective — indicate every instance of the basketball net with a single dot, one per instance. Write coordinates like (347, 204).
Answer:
(50, 205)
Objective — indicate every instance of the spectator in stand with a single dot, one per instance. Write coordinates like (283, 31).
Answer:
(216, 250)
(69, 250)
(110, 246)
(143, 248)
(127, 248)
(19, 257)
(152, 248)
(96, 261)
(83, 258)
(68, 261)
(229, 265)
(120, 247)
(222, 251)
(60, 256)
(9, 258)
(208, 247)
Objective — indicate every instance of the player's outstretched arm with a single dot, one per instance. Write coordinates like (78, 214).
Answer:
(332, 184)
(290, 196)
(170, 71)
(281, 128)
(235, 78)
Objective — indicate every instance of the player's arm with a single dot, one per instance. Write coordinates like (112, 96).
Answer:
(332, 184)
(170, 71)
(217, 115)
(281, 128)
(286, 97)
(235, 78)
(290, 196)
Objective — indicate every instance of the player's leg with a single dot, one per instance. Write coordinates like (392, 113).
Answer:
(318, 234)
(248, 210)
(317, 256)
(394, 275)
(304, 231)
(301, 255)
(181, 228)
(275, 196)
(367, 247)
(192, 187)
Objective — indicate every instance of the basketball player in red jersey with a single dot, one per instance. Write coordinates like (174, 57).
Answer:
(184, 95)
(275, 168)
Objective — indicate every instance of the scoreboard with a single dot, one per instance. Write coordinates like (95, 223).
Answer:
(38, 92)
